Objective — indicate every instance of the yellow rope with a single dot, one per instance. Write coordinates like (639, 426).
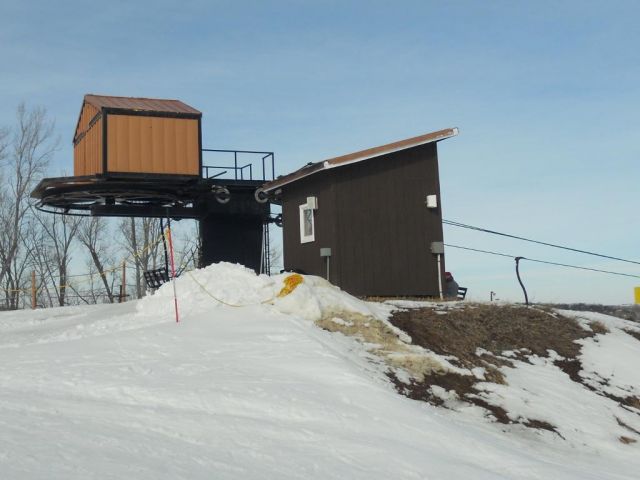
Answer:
(290, 283)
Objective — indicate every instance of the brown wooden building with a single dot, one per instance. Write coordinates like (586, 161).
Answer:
(367, 219)
(125, 135)
(142, 157)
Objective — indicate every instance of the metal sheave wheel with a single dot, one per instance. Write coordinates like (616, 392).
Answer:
(261, 196)
(223, 195)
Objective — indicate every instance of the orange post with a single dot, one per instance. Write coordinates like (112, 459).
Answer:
(173, 271)
(124, 282)
(33, 291)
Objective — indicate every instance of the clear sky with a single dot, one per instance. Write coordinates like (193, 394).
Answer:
(546, 95)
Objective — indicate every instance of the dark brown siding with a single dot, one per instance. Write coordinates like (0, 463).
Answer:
(305, 257)
(373, 216)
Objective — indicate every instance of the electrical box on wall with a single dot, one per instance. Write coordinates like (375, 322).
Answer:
(437, 247)
(432, 201)
(312, 202)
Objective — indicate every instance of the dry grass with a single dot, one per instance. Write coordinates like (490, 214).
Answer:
(598, 328)
(461, 331)
(383, 341)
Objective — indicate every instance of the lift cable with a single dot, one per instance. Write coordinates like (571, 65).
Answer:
(486, 230)
(542, 261)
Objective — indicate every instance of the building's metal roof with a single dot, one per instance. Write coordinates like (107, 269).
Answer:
(360, 156)
(140, 104)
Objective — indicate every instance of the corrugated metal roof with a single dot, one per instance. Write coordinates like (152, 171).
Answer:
(360, 156)
(140, 104)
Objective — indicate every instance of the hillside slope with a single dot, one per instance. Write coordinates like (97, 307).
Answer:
(122, 391)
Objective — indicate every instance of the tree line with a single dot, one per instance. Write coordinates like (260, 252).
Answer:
(75, 259)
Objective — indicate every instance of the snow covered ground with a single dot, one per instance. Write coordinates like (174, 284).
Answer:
(259, 391)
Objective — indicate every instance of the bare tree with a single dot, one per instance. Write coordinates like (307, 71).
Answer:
(92, 235)
(275, 250)
(60, 233)
(25, 152)
(186, 245)
(142, 239)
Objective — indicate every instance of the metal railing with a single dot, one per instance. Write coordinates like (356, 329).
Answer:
(240, 169)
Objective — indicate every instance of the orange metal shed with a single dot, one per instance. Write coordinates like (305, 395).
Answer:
(133, 136)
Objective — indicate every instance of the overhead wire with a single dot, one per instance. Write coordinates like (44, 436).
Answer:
(542, 261)
(548, 244)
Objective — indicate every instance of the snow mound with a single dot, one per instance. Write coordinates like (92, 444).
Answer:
(226, 285)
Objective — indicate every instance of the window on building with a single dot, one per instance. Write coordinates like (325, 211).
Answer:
(307, 227)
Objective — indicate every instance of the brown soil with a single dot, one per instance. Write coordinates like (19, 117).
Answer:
(457, 331)
(461, 330)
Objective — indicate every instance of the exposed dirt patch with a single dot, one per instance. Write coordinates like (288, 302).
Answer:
(633, 333)
(624, 425)
(572, 367)
(518, 330)
(491, 337)
(466, 344)
(456, 384)
(598, 328)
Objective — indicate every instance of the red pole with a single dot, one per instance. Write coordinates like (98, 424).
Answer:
(173, 271)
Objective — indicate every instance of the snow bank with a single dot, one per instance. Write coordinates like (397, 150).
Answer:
(610, 361)
(226, 285)
(253, 392)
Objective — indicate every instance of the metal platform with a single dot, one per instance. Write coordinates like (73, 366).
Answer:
(136, 196)
(148, 195)
(228, 202)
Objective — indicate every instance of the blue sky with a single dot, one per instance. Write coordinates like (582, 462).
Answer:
(546, 95)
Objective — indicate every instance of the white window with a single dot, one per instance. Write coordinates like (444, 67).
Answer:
(307, 228)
